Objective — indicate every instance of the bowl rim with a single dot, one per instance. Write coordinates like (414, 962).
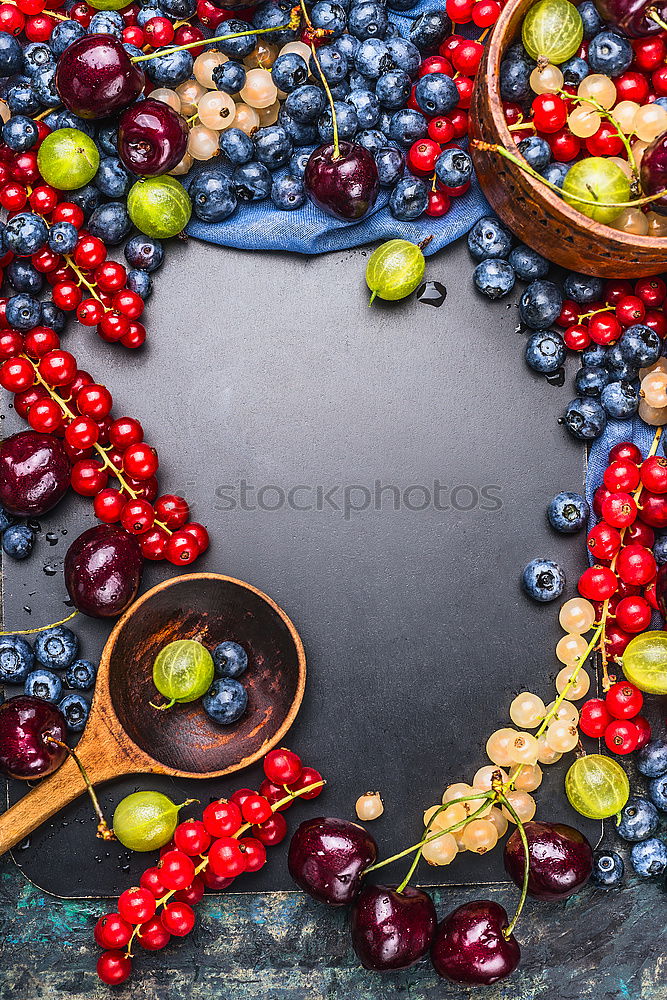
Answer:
(495, 50)
(103, 689)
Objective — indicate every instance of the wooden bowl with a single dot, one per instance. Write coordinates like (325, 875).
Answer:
(534, 213)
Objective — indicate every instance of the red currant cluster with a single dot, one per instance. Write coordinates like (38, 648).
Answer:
(56, 397)
(616, 719)
(204, 854)
(624, 304)
(35, 18)
(630, 503)
(458, 58)
(482, 13)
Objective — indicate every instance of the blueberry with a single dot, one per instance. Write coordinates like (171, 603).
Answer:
(649, 857)
(384, 123)
(110, 223)
(429, 29)
(640, 345)
(609, 53)
(173, 68)
(515, 79)
(67, 119)
(50, 315)
(585, 419)
(618, 368)
(535, 151)
(75, 708)
(23, 277)
(289, 71)
(273, 146)
(591, 380)
(298, 162)
(660, 550)
(567, 512)
(144, 252)
(330, 16)
(20, 133)
(44, 684)
(140, 282)
(373, 58)
(409, 199)
(657, 790)
(555, 173)
(56, 648)
(620, 400)
(236, 48)
(591, 20)
(252, 181)
(488, 238)
(347, 45)
(273, 15)
(358, 81)
(582, 288)
(367, 20)
(540, 304)
(11, 55)
(64, 33)
(287, 192)
(453, 167)
(543, 580)
(63, 237)
(229, 659)
(17, 659)
(112, 178)
(179, 10)
(26, 233)
(339, 91)
(230, 77)
(366, 107)
(407, 127)
(88, 198)
(106, 22)
(22, 99)
(390, 163)
(213, 193)
(225, 701)
(404, 55)
(18, 541)
(305, 104)
(575, 70)
(333, 66)
(639, 820)
(436, 94)
(373, 140)
(545, 351)
(81, 675)
(494, 278)
(393, 89)
(148, 10)
(528, 263)
(236, 145)
(22, 311)
(594, 355)
(5, 518)
(608, 869)
(346, 118)
(299, 134)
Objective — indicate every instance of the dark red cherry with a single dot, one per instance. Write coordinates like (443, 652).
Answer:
(654, 172)
(561, 859)
(661, 591)
(103, 571)
(631, 15)
(25, 725)
(152, 138)
(391, 929)
(34, 473)
(345, 186)
(327, 859)
(95, 77)
(470, 947)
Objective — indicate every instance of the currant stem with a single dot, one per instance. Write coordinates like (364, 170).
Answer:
(507, 931)
(82, 278)
(42, 628)
(218, 38)
(103, 831)
(607, 114)
(325, 84)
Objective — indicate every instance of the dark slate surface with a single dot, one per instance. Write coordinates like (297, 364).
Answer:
(272, 369)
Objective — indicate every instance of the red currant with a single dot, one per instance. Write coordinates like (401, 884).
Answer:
(153, 544)
(636, 564)
(140, 461)
(182, 548)
(653, 509)
(256, 809)
(177, 869)
(113, 967)
(625, 451)
(171, 510)
(226, 858)
(57, 367)
(619, 509)
(644, 730)
(654, 474)
(594, 718)
(125, 431)
(273, 831)
(191, 837)
(633, 614)
(621, 737)
(45, 416)
(630, 309)
(88, 477)
(137, 516)
(603, 541)
(254, 853)
(597, 583)
(652, 291)
(549, 112)
(194, 892)
(604, 329)
(153, 935)
(82, 432)
(178, 919)
(136, 905)
(151, 879)
(282, 767)
(309, 776)
(576, 337)
(112, 931)
(16, 375)
(94, 401)
(622, 476)
(221, 818)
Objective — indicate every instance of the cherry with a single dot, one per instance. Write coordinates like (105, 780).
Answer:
(27, 727)
(470, 946)
(283, 767)
(560, 859)
(391, 929)
(192, 837)
(594, 718)
(34, 473)
(112, 931)
(152, 935)
(95, 77)
(273, 831)
(178, 919)
(152, 137)
(327, 859)
(344, 185)
(621, 737)
(103, 571)
(136, 905)
(113, 967)
(221, 818)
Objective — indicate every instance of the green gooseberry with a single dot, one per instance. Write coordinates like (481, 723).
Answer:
(145, 821)
(68, 159)
(597, 179)
(182, 671)
(552, 30)
(159, 206)
(394, 270)
(108, 4)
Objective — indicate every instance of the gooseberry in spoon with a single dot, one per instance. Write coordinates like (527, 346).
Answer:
(152, 138)
(596, 187)
(343, 183)
(183, 671)
(96, 77)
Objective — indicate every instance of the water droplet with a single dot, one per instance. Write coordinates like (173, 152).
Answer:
(63, 531)
(556, 378)
(432, 293)
(27, 609)
(25, 844)
(52, 538)
(50, 569)
(35, 525)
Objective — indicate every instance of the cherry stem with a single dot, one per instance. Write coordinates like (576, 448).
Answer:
(292, 23)
(493, 147)
(426, 840)
(507, 932)
(653, 14)
(451, 829)
(42, 628)
(103, 831)
(327, 89)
